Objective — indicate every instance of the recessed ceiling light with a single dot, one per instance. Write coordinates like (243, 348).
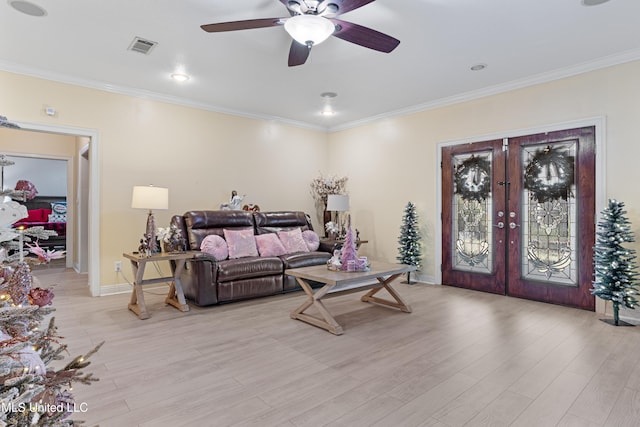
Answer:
(478, 67)
(328, 113)
(328, 95)
(180, 77)
(27, 8)
(593, 2)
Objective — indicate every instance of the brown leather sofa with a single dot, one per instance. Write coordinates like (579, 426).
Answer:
(206, 281)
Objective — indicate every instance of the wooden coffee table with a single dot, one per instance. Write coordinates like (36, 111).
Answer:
(342, 282)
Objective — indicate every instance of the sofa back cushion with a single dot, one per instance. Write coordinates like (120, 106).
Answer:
(200, 224)
(272, 222)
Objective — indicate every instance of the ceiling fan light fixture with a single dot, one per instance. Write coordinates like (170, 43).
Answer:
(309, 30)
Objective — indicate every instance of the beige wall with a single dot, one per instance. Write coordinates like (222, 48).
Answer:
(18, 141)
(201, 156)
(393, 161)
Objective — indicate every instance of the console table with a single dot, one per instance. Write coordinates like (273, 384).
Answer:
(377, 278)
(175, 297)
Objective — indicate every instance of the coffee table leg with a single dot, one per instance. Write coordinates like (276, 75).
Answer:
(399, 302)
(327, 322)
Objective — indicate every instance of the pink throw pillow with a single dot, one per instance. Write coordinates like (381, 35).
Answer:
(311, 239)
(269, 245)
(242, 243)
(215, 246)
(292, 241)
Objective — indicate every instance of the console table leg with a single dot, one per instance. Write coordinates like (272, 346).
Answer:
(137, 304)
(176, 295)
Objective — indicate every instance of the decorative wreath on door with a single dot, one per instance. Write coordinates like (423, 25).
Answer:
(550, 175)
(473, 179)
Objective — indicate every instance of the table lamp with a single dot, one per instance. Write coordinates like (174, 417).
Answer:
(150, 197)
(338, 203)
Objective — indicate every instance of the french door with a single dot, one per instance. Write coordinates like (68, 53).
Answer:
(518, 216)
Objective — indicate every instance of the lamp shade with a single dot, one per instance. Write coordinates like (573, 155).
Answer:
(150, 197)
(309, 29)
(338, 202)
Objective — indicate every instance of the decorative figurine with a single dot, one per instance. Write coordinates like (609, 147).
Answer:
(234, 202)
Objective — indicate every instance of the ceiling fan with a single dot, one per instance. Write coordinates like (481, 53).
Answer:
(313, 21)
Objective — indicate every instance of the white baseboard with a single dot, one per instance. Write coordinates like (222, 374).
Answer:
(118, 288)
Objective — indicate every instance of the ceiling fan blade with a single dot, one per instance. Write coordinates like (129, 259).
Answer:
(298, 54)
(243, 25)
(364, 36)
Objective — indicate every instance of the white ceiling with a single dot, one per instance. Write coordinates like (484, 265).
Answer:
(245, 72)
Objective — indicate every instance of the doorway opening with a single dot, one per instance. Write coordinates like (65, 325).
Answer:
(82, 192)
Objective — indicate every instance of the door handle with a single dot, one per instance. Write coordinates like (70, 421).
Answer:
(499, 224)
(513, 225)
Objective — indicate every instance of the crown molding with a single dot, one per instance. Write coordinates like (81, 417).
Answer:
(574, 70)
(144, 94)
(585, 67)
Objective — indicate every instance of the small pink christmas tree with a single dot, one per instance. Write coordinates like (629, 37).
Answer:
(349, 251)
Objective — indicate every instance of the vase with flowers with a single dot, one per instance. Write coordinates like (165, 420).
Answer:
(321, 187)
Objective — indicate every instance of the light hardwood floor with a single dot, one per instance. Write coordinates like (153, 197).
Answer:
(461, 358)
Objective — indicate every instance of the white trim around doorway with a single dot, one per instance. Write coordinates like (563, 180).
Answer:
(94, 194)
(600, 134)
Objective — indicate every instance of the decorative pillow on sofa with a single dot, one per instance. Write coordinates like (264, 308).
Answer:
(311, 239)
(215, 246)
(292, 241)
(242, 243)
(269, 245)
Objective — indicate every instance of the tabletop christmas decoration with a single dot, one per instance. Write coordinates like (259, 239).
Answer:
(614, 264)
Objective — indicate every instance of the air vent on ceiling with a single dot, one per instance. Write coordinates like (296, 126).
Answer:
(141, 45)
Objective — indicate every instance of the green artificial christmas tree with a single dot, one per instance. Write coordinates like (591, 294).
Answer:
(615, 269)
(409, 251)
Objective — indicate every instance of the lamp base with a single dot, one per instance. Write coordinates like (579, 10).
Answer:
(150, 234)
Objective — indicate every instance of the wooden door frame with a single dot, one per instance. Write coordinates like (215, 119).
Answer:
(598, 122)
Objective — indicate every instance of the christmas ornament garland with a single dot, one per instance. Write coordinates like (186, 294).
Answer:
(550, 175)
(472, 179)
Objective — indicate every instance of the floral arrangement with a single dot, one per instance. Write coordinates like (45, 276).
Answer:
(322, 186)
(172, 237)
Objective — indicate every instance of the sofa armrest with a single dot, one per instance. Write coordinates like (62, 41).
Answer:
(200, 280)
(328, 246)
